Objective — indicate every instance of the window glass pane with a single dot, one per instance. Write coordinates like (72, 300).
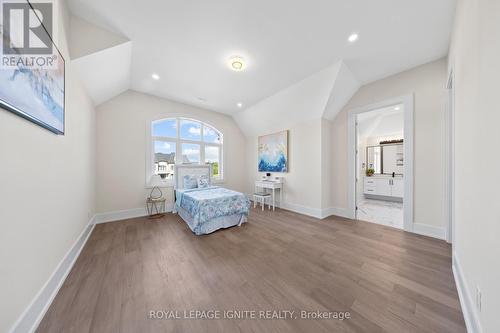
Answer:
(212, 155)
(166, 127)
(190, 153)
(164, 159)
(190, 130)
(211, 135)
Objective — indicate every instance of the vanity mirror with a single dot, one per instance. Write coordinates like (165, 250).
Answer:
(385, 159)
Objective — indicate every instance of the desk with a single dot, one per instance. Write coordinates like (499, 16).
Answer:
(273, 186)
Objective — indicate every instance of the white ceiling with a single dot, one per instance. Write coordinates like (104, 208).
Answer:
(188, 42)
(381, 123)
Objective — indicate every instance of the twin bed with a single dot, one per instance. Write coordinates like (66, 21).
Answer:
(206, 208)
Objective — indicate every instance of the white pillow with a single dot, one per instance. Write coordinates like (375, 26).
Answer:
(190, 182)
(202, 181)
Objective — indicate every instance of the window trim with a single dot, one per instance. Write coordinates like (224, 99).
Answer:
(150, 139)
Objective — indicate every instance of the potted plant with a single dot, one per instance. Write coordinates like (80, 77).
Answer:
(370, 172)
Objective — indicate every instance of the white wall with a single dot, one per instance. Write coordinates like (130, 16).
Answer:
(47, 193)
(302, 190)
(299, 109)
(474, 57)
(427, 82)
(121, 147)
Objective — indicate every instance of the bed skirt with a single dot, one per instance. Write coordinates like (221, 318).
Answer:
(212, 225)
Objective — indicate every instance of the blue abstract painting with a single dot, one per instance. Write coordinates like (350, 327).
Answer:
(273, 152)
(33, 91)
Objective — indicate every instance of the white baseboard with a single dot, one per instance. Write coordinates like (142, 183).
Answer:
(471, 316)
(304, 210)
(342, 212)
(429, 230)
(125, 214)
(33, 314)
(310, 211)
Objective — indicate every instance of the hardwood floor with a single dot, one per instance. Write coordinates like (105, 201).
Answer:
(389, 280)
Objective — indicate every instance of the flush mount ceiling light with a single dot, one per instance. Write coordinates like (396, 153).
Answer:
(239, 105)
(353, 37)
(155, 76)
(237, 63)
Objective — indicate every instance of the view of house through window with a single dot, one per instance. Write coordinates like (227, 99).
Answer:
(185, 141)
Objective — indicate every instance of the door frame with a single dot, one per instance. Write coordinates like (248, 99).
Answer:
(449, 139)
(408, 102)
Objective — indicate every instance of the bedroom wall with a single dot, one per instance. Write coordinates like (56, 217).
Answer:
(47, 192)
(427, 83)
(302, 188)
(474, 56)
(121, 148)
(297, 108)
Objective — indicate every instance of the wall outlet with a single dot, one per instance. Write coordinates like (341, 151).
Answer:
(478, 298)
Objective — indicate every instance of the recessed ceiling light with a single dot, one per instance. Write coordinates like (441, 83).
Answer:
(397, 108)
(353, 37)
(237, 63)
(155, 76)
(239, 105)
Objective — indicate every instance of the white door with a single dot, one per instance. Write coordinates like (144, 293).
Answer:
(398, 187)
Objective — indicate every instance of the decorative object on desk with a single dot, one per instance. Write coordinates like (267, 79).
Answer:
(34, 89)
(273, 152)
(370, 172)
(156, 203)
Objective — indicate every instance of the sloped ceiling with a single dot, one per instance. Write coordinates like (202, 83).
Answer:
(102, 59)
(105, 74)
(87, 38)
(188, 43)
(383, 122)
(321, 95)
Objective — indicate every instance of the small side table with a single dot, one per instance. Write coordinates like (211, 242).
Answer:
(156, 207)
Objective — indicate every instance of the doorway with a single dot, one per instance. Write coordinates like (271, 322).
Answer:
(380, 157)
(380, 166)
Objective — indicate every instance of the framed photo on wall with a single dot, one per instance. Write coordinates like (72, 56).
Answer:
(32, 71)
(273, 152)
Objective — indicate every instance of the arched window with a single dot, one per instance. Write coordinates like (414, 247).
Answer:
(183, 141)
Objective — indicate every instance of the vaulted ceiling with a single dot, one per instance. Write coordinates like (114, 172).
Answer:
(187, 43)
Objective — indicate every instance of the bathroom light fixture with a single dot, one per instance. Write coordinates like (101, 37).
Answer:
(237, 63)
(155, 76)
(353, 37)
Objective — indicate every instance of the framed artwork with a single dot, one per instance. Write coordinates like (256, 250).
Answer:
(273, 152)
(35, 93)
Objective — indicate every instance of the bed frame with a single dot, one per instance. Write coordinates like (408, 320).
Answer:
(182, 170)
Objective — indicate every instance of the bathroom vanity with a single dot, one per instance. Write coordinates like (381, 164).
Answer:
(386, 186)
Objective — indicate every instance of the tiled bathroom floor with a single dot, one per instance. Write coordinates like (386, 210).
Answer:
(382, 212)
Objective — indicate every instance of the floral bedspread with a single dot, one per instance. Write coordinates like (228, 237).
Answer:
(204, 204)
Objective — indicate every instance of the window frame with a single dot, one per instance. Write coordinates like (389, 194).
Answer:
(150, 151)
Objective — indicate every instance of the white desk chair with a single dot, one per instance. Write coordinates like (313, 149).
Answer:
(261, 197)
